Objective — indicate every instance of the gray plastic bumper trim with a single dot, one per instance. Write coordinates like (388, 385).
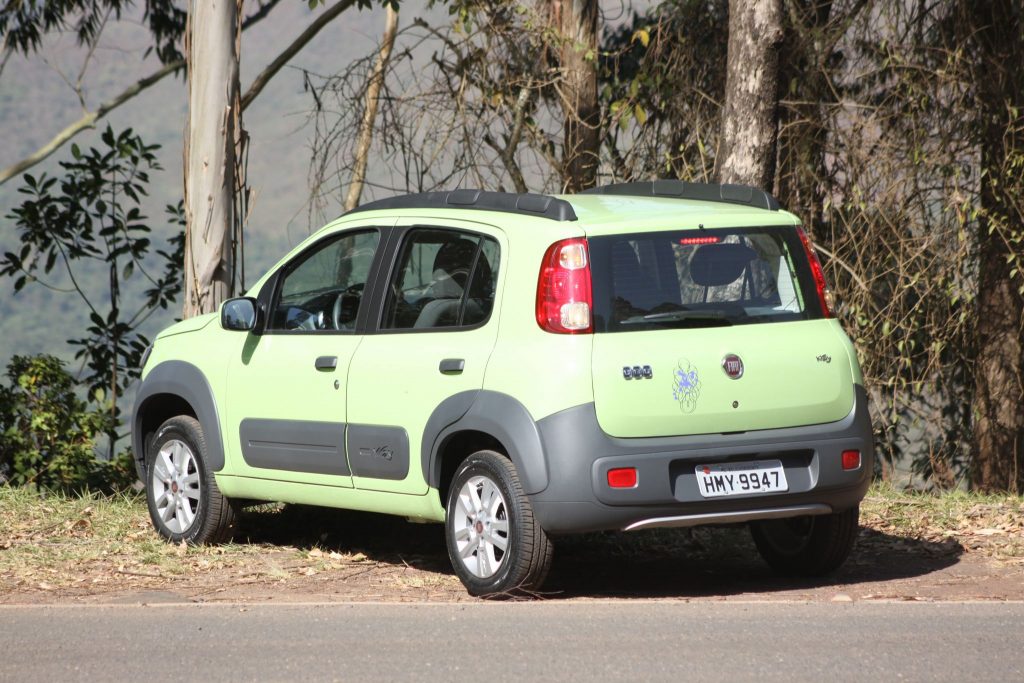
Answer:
(730, 517)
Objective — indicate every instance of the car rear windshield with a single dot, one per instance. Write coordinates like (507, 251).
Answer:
(701, 278)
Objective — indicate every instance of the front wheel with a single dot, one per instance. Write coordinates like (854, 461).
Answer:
(182, 495)
(495, 544)
(807, 546)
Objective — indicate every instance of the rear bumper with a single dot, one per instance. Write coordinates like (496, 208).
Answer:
(666, 493)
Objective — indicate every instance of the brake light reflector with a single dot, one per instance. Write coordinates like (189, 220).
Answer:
(699, 240)
(622, 478)
(824, 294)
(564, 295)
(851, 460)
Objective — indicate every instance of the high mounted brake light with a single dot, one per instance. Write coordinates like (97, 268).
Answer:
(686, 241)
(564, 295)
(824, 293)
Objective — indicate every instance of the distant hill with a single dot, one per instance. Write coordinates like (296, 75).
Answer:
(35, 103)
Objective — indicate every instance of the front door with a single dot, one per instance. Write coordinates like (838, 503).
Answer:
(286, 396)
(432, 340)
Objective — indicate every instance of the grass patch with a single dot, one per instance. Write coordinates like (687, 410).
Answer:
(991, 524)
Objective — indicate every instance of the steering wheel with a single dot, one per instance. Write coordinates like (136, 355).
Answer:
(338, 309)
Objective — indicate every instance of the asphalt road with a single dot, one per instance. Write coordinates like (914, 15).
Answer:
(487, 642)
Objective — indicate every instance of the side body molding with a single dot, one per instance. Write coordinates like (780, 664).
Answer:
(493, 413)
(185, 381)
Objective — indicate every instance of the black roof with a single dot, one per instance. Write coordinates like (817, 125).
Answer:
(538, 205)
(731, 194)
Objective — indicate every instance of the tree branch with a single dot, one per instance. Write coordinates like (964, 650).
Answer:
(293, 49)
(373, 86)
(88, 120)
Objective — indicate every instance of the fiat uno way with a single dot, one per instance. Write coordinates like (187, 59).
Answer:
(520, 367)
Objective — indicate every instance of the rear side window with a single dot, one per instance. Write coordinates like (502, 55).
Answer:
(444, 279)
(700, 278)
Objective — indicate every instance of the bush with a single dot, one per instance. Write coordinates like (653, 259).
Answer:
(47, 434)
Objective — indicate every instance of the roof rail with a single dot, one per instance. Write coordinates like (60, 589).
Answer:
(538, 205)
(732, 194)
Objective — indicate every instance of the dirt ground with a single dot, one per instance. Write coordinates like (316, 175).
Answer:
(310, 555)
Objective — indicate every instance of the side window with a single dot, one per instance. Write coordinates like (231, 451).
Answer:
(324, 288)
(444, 278)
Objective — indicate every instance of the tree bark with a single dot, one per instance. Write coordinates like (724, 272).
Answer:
(373, 86)
(577, 25)
(997, 28)
(746, 151)
(213, 131)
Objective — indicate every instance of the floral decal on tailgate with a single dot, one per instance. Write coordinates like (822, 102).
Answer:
(686, 385)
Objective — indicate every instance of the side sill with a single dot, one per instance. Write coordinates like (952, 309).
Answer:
(730, 517)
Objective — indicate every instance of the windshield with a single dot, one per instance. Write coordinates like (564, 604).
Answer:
(700, 278)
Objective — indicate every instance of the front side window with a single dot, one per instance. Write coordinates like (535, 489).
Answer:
(444, 278)
(700, 278)
(324, 289)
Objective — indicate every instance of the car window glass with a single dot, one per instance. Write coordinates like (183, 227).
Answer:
(431, 286)
(324, 290)
(481, 288)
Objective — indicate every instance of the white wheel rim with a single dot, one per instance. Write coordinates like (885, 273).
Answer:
(175, 485)
(480, 525)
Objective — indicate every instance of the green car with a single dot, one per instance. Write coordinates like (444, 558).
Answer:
(519, 368)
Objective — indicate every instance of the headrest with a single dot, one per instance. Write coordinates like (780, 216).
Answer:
(713, 265)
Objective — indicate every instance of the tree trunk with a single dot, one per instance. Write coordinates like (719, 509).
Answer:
(803, 79)
(214, 130)
(373, 86)
(997, 27)
(746, 148)
(577, 25)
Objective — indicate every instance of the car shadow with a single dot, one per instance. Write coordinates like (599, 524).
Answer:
(658, 563)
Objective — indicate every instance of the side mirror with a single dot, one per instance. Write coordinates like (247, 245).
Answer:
(238, 314)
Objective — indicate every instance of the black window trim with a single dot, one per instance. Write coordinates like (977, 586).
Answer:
(398, 239)
(271, 291)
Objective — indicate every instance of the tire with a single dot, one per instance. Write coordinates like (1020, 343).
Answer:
(486, 508)
(176, 473)
(809, 545)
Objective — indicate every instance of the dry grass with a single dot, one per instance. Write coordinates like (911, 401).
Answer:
(94, 545)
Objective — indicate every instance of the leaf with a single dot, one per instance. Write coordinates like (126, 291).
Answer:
(643, 35)
(75, 151)
(640, 114)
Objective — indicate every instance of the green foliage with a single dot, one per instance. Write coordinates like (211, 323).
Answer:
(89, 219)
(48, 435)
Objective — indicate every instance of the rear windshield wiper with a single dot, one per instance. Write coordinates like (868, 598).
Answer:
(708, 318)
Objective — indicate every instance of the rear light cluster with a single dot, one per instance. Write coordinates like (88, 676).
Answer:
(564, 292)
(824, 294)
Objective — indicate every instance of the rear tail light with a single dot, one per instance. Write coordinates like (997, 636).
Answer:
(564, 297)
(851, 460)
(824, 294)
(622, 478)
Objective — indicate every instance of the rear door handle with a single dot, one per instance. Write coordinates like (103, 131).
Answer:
(326, 362)
(452, 366)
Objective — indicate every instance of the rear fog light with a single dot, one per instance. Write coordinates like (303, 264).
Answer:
(622, 478)
(851, 460)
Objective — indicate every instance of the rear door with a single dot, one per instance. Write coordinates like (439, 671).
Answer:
(434, 332)
(712, 331)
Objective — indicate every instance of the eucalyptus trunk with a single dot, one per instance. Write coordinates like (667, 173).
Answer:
(213, 133)
(577, 24)
(749, 130)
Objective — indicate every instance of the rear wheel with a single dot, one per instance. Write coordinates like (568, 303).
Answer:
(809, 545)
(184, 501)
(495, 544)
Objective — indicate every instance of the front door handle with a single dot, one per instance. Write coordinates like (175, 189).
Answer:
(452, 366)
(326, 362)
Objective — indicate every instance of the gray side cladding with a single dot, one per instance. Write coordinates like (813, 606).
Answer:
(186, 381)
(294, 445)
(493, 413)
(378, 452)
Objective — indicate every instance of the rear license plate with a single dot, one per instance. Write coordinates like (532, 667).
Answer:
(741, 478)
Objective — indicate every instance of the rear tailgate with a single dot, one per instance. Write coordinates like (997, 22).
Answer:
(794, 373)
(712, 331)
